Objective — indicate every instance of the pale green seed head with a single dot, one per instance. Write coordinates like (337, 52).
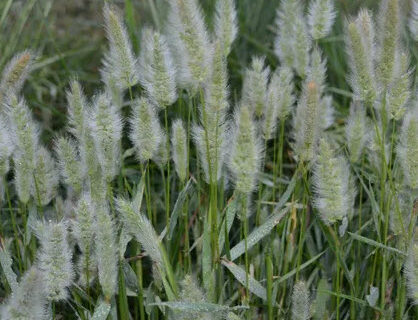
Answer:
(226, 28)
(69, 163)
(356, 131)
(77, 109)
(179, 147)
(15, 73)
(24, 130)
(321, 17)
(246, 154)
(302, 46)
(156, 69)
(300, 302)
(141, 228)
(106, 127)
(106, 250)
(332, 184)
(45, 177)
(190, 41)
(399, 92)
(254, 90)
(389, 37)
(146, 133)
(408, 148)
(285, 42)
(307, 122)
(216, 91)
(120, 60)
(55, 259)
(411, 270)
(362, 78)
(28, 301)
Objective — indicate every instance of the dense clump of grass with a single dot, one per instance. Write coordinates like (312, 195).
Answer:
(170, 195)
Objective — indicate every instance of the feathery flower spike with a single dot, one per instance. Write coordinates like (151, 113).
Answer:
(321, 17)
(332, 185)
(106, 126)
(190, 42)
(300, 302)
(246, 153)
(226, 28)
(179, 143)
(156, 69)
(145, 130)
(54, 259)
(408, 147)
(120, 60)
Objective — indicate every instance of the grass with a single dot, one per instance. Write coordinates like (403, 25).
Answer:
(193, 249)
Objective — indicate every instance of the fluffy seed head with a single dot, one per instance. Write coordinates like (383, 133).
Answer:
(120, 60)
(326, 112)
(272, 107)
(300, 302)
(302, 46)
(190, 41)
(106, 250)
(45, 177)
(216, 91)
(25, 137)
(411, 270)
(389, 37)
(307, 122)
(246, 153)
(54, 259)
(360, 48)
(254, 90)
(408, 148)
(210, 136)
(84, 232)
(69, 163)
(77, 108)
(15, 73)
(106, 126)
(332, 184)
(24, 130)
(145, 129)
(28, 301)
(321, 17)
(356, 131)
(210, 144)
(6, 146)
(140, 227)
(23, 181)
(84, 223)
(162, 156)
(226, 28)
(156, 69)
(317, 71)
(179, 147)
(285, 87)
(284, 45)
(399, 91)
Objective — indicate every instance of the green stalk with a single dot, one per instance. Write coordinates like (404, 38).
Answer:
(269, 275)
(247, 265)
(338, 278)
(138, 265)
(122, 297)
(167, 190)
